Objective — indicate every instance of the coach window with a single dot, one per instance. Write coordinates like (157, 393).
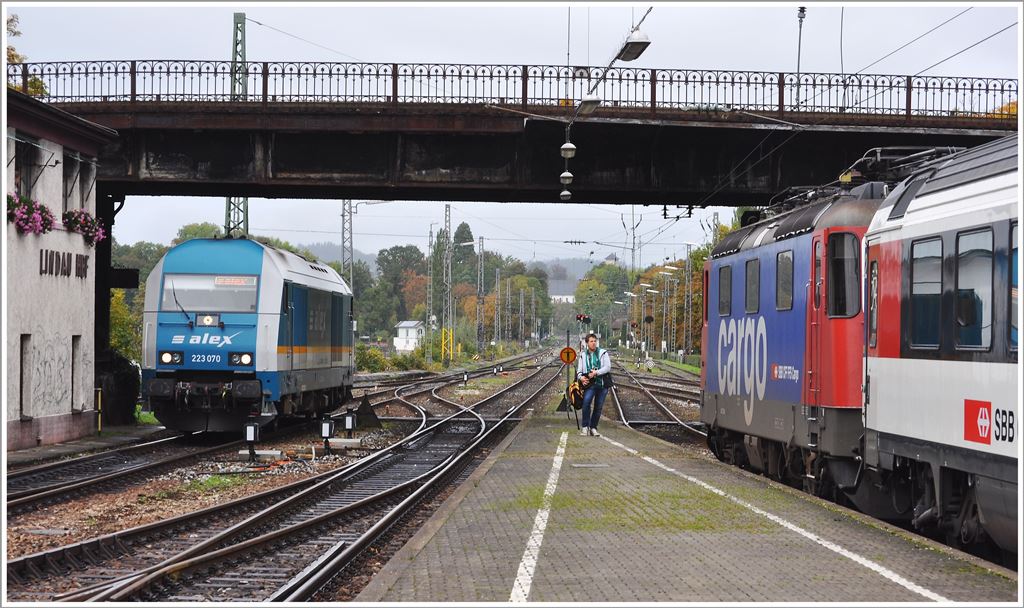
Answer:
(724, 291)
(925, 293)
(974, 289)
(843, 275)
(784, 280)
(873, 305)
(1013, 287)
(752, 290)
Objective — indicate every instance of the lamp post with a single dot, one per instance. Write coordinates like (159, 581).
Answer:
(664, 308)
(654, 303)
(801, 12)
(644, 330)
(629, 318)
(633, 46)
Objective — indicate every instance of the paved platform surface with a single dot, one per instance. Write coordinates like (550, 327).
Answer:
(634, 519)
(112, 437)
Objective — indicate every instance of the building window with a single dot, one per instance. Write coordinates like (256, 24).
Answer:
(925, 293)
(784, 280)
(86, 181)
(873, 305)
(1013, 288)
(752, 291)
(974, 289)
(72, 178)
(724, 291)
(26, 157)
(24, 376)
(843, 275)
(76, 356)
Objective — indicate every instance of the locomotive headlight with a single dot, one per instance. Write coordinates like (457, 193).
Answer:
(171, 358)
(240, 358)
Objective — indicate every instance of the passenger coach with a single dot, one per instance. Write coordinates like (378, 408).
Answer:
(941, 405)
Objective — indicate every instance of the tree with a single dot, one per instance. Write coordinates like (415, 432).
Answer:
(205, 230)
(35, 85)
(392, 263)
(361, 275)
(125, 330)
(464, 257)
(414, 291)
(13, 56)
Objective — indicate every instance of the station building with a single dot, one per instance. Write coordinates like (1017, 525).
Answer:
(51, 273)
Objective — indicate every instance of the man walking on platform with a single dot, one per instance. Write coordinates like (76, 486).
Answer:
(593, 371)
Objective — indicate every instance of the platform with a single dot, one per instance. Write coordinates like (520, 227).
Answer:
(111, 438)
(630, 518)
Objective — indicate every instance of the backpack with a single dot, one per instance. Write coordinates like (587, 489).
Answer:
(574, 395)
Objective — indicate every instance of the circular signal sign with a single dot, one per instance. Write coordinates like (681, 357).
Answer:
(568, 355)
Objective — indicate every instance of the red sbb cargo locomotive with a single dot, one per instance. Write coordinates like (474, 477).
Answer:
(863, 343)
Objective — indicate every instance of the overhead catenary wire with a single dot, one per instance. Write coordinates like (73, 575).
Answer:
(307, 41)
(797, 131)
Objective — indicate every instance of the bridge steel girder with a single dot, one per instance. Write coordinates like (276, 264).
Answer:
(476, 154)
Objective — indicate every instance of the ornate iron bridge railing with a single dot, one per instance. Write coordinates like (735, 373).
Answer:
(518, 85)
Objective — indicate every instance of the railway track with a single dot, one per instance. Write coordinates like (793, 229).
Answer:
(52, 483)
(646, 409)
(294, 547)
(90, 566)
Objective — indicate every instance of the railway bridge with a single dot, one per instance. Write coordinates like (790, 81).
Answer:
(681, 137)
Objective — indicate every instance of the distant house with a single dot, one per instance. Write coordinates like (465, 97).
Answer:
(612, 259)
(568, 299)
(410, 334)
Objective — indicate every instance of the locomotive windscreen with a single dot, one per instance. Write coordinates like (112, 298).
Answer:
(209, 293)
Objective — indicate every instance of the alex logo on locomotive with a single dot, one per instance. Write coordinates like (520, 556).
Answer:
(207, 338)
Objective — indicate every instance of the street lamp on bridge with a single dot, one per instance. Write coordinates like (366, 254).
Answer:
(633, 46)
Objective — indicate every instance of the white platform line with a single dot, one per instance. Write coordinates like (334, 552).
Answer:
(863, 561)
(524, 578)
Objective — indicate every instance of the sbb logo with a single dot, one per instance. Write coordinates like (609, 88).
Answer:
(978, 421)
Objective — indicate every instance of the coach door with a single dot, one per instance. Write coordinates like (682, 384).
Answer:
(817, 316)
(286, 337)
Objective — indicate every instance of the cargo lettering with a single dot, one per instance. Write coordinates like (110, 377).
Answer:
(743, 361)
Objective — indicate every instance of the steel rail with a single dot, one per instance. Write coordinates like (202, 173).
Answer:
(122, 585)
(129, 588)
(312, 580)
(18, 475)
(663, 407)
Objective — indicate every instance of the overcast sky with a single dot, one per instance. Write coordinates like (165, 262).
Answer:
(727, 36)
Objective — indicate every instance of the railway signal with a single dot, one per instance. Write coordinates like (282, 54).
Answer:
(252, 435)
(326, 432)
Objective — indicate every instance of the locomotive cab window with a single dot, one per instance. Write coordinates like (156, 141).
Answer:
(1013, 288)
(925, 293)
(974, 289)
(844, 275)
(752, 289)
(724, 291)
(209, 293)
(784, 280)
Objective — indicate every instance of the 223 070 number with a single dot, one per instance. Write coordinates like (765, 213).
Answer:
(205, 358)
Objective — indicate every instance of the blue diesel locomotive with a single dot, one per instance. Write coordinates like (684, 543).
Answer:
(236, 331)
